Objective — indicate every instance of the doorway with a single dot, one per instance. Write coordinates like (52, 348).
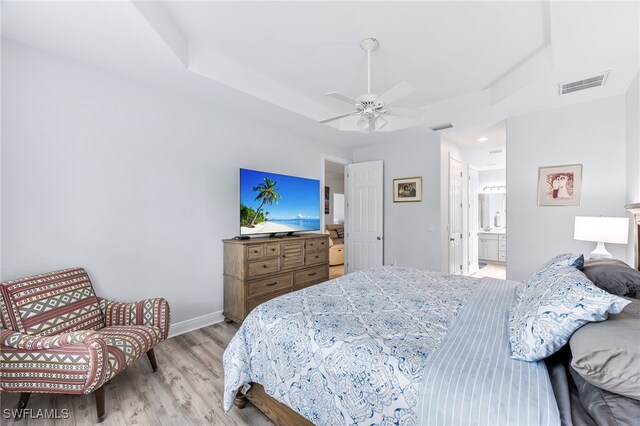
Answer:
(333, 212)
(490, 219)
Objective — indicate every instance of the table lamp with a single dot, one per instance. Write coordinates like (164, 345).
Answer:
(601, 230)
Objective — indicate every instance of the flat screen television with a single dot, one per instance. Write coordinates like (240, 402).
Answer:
(272, 203)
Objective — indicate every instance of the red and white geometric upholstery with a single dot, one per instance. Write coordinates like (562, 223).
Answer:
(56, 336)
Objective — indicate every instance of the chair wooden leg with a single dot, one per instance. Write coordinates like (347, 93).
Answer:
(22, 404)
(99, 393)
(152, 359)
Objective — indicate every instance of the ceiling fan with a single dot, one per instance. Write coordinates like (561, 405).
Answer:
(371, 108)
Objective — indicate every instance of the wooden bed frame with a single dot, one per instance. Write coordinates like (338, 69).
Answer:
(282, 415)
(277, 412)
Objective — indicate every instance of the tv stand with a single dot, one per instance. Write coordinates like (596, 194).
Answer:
(290, 234)
(273, 235)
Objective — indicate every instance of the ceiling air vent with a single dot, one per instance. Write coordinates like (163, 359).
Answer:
(495, 151)
(442, 127)
(587, 83)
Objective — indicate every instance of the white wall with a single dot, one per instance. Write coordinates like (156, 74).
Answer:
(335, 182)
(136, 184)
(496, 177)
(632, 103)
(411, 230)
(591, 134)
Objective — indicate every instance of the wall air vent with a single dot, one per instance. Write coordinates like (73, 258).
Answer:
(495, 151)
(442, 127)
(587, 83)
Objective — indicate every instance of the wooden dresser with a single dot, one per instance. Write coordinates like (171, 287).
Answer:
(260, 269)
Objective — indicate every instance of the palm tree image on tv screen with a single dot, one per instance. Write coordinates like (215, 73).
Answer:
(273, 203)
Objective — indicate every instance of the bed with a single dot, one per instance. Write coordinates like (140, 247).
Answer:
(399, 345)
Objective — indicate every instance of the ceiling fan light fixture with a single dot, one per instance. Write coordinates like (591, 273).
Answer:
(363, 123)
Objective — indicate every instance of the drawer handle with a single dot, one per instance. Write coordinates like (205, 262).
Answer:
(273, 283)
(317, 257)
(264, 266)
(311, 274)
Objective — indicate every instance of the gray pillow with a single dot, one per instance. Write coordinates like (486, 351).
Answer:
(613, 276)
(606, 408)
(607, 354)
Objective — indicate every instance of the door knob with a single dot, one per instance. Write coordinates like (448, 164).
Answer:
(379, 238)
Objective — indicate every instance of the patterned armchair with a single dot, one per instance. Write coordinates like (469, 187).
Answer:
(56, 336)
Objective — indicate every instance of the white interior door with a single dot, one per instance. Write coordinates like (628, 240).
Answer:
(455, 216)
(474, 219)
(364, 218)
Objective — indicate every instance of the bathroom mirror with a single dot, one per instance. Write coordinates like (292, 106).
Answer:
(492, 211)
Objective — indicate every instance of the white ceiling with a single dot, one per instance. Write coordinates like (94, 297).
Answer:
(473, 63)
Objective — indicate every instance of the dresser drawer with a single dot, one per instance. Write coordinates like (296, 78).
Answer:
(310, 276)
(261, 267)
(315, 257)
(502, 245)
(317, 244)
(269, 285)
(255, 251)
(272, 249)
(260, 300)
(502, 257)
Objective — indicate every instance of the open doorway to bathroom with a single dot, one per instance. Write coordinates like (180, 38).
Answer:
(487, 237)
(334, 212)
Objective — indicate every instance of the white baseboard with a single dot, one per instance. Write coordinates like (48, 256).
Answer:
(195, 323)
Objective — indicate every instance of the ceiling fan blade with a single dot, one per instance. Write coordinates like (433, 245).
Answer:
(405, 112)
(372, 124)
(381, 122)
(339, 96)
(337, 117)
(398, 91)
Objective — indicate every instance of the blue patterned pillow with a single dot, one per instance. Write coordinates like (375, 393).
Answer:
(560, 261)
(552, 305)
(566, 259)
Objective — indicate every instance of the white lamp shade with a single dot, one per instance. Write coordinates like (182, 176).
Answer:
(613, 230)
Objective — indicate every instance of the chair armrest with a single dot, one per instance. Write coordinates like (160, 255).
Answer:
(16, 340)
(154, 312)
(74, 362)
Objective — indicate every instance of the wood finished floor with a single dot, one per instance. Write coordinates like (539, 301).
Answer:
(187, 389)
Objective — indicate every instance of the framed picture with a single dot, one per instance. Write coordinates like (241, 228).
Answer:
(327, 197)
(560, 185)
(407, 189)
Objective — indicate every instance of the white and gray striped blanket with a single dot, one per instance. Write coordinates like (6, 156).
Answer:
(471, 379)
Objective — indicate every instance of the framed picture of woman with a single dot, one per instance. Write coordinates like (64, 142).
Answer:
(560, 185)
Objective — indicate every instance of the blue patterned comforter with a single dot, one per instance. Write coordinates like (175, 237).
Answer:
(351, 350)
